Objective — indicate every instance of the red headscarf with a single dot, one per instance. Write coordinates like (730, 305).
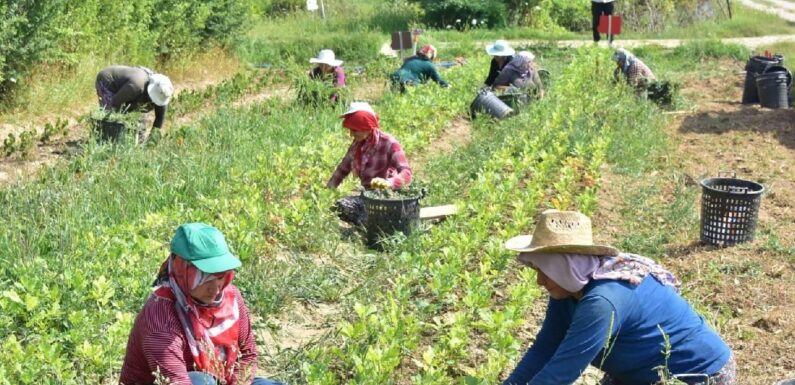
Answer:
(212, 330)
(362, 121)
(428, 51)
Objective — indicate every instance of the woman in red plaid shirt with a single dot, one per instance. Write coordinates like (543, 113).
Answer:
(374, 156)
(636, 72)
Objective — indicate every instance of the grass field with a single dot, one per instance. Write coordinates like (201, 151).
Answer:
(83, 241)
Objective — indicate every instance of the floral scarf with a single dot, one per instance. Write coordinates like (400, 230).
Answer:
(211, 329)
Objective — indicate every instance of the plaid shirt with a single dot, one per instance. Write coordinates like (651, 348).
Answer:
(638, 72)
(382, 159)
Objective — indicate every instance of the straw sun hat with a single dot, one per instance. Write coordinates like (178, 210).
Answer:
(560, 232)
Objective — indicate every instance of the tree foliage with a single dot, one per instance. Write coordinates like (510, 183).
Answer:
(141, 31)
(641, 15)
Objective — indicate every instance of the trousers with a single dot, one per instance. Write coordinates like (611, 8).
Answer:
(201, 378)
(597, 10)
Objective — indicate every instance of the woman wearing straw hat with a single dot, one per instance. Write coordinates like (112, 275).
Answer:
(520, 73)
(418, 69)
(374, 156)
(328, 69)
(124, 88)
(614, 310)
(502, 54)
(195, 327)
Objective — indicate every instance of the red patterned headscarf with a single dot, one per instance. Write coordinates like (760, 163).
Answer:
(212, 330)
(428, 51)
(362, 121)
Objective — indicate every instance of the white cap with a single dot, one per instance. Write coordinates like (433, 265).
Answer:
(500, 48)
(359, 106)
(529, 55)
(160, 89)
(326, 56)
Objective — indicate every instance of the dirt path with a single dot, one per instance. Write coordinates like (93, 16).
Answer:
(14, 169)
(782, 9)
(747, 288)
(750, 42)
(458, 134)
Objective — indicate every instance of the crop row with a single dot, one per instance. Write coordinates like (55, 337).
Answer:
(455, 303)
(81, 244)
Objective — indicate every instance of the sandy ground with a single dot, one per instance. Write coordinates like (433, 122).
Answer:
(747, 288)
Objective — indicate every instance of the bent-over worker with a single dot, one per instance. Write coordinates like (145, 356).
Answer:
(634, 70)
(613, 310)
(418, 69)
(520, 73)
(328, 69)
(502, 54)
(374, 156)
(126, 89)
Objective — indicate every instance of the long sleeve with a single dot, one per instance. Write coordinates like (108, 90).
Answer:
(248, 348)
(343, 169)
(552, 332)
(339, 76)
(160, 116)
(400, 163)
(127, 94)
(434, 74)
(535, 78)
(506, 77)
(586, 337)
(164, 351)
(493, 72)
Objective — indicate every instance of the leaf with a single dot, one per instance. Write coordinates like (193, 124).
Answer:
(13, 296)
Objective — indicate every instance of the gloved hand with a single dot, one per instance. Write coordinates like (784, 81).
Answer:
(380, 184)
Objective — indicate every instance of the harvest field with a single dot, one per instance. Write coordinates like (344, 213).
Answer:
(85, 225)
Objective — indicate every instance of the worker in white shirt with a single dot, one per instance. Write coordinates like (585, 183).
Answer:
(599, 8)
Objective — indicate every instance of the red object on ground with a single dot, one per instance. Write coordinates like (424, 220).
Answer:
(604, 23)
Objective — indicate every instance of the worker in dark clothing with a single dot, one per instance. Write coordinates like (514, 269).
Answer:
(418, 69)
(502, 54)
(126, 89)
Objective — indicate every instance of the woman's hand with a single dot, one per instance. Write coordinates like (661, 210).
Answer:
(380, 184)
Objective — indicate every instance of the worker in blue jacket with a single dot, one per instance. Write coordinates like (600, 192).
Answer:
(418, 69)
(619, 312)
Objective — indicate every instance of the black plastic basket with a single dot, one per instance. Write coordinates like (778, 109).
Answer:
(389, 216)
(487, 102)
(729, 210)
(755, 66)
(109, 131)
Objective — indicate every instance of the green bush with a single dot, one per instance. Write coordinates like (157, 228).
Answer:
(136, 31)
(460, 14)
(656, 15)
(27, 35)
(572, 15)
(351, 48)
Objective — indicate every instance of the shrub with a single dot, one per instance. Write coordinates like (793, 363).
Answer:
(572, 15)
(140, 31)
(441, 13)
(27, 34)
